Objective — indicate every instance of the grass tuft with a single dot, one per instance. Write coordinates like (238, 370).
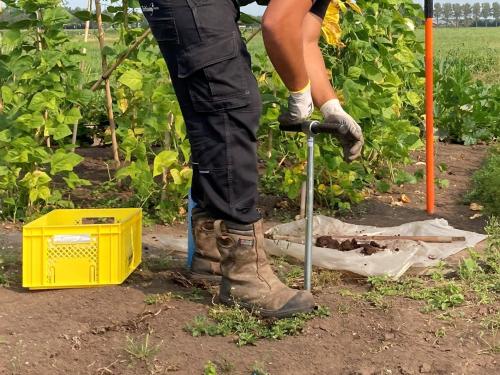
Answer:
(247, 327)
(141, 350)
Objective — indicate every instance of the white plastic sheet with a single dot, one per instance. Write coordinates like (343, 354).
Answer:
(389, 262)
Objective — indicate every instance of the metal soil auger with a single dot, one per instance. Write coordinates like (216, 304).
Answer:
(310, 128)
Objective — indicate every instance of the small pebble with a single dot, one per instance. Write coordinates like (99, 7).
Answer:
(425, 368)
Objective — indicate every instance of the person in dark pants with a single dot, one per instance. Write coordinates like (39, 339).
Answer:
(210, 69)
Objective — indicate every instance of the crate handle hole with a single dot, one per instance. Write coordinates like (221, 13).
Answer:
(98, 220)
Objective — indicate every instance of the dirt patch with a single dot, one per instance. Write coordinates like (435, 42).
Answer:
(458, 163)
(88, 331)
(107, 330)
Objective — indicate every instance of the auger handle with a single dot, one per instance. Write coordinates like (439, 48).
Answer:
(314, 127)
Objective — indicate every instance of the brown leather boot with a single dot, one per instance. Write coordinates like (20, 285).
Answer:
(206, 259)
(247, 277)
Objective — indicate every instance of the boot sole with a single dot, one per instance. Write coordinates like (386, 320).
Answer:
(204, 277)
(266, 313)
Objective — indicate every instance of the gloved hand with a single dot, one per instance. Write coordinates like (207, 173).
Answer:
(300, 107)
(347, 131)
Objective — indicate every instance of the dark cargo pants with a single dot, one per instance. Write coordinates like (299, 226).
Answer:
(211, 73)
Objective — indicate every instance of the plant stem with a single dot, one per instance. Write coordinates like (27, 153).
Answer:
(171, 119)
(82, 64)
(109, 98)
(120, 59)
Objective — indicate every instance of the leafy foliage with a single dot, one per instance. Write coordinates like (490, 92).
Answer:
(476, 280)
(247, 327)
(36, 70)
(486, 183)
(377, 70)
(467, 110)
(379, 78)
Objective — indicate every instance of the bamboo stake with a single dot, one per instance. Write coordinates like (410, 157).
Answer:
(40, 48)
(109, 98)
(120, 59)
(82, 65)
(254, 34)
(38, 30)
(167, 141)
(87, 28)
(125, 17)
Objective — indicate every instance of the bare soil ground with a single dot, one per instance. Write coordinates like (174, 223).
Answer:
(88, 331)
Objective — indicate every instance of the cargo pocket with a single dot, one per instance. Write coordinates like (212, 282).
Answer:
(216, 74)
(164, 30)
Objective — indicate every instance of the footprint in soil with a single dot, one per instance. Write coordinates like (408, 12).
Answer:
(348, 245)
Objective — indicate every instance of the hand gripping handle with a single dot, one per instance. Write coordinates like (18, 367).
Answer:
(314, 127)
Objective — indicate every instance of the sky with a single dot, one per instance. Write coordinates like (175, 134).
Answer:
(256, 10)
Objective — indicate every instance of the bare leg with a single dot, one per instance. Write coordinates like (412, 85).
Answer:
(321, 87)
(282, 26)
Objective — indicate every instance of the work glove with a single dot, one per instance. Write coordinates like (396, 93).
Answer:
(346, 130)
(300, 107)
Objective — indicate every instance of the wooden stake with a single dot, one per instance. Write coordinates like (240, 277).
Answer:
(87, 28)
(120, 59)
(82, 65)
(430, 239)
(125, 17)
(40, 47)
(109, 98)
(167, 141)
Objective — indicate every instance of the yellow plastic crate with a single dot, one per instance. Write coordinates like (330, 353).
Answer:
(82, 248)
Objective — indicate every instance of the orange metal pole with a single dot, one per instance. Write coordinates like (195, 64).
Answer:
(429, 116)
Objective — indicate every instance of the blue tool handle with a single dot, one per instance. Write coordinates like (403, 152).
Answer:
(191, 244)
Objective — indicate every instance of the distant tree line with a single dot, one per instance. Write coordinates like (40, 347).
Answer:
(465, 15)
(10, 14)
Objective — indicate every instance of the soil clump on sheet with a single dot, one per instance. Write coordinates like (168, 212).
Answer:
(367, 248)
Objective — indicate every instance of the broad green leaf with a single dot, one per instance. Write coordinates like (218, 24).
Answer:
(37, 102)
(61, 131)
(187, 174)
(132, 79)
(72, 116)
(11, 38)
(22, 24)
(64, 161)
(354, 72)
(34, 120)
(5, 136)
(56, 15)
(176, 176)
(372, 72)
(83, 15)
(337, 190)
(7, 94)
(163, 161)
(43, 192)
(414, 98)
(411, 139)
(73, 181)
